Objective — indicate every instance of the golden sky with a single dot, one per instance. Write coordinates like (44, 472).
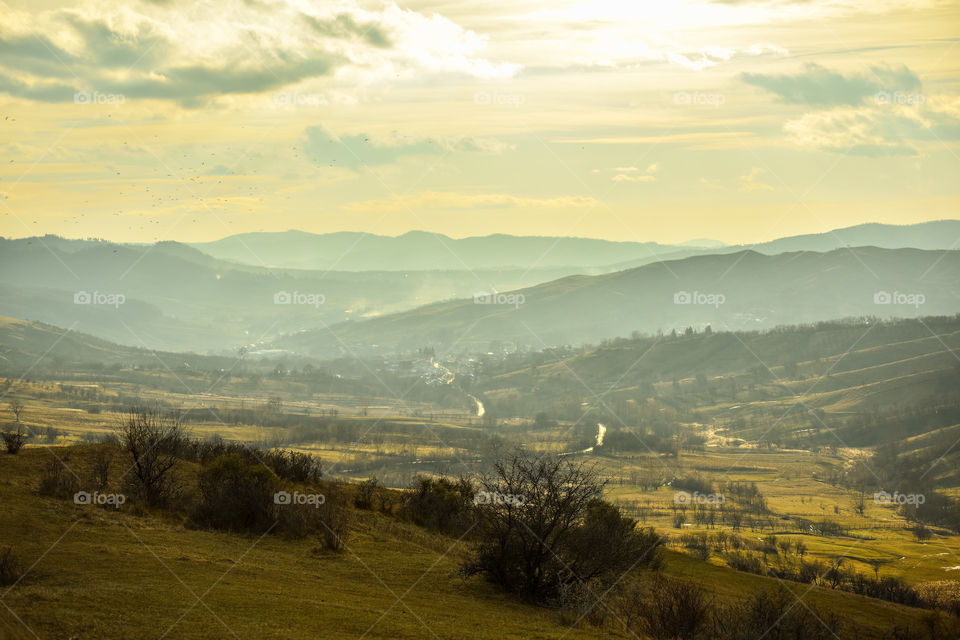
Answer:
(666, 121)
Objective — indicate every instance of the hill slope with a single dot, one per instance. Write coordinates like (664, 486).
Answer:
(177, 298)
(102, 573)
(745, 290)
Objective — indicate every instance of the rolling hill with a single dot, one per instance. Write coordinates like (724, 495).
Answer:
(744, 290)
(178, 298)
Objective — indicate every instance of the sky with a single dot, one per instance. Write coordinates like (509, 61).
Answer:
(666, 121)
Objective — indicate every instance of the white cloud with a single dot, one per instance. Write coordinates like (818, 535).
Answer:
(189, 52)
(877, 130)
(751, 181)
(627, 174)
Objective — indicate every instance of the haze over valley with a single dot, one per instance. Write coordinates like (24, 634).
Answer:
(560, 320)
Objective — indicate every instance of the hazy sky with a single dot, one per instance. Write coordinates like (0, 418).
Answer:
(666, 120)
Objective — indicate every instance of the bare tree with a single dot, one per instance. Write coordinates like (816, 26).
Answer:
(542, 524)
(528, 509)
(154, 440)
(14, 440)
(16, 407)
(860, 503)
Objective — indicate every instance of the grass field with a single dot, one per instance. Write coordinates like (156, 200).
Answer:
(95, 572)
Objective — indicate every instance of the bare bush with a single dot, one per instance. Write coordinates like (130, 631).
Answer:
(14, 440)
(57, 480)
(236, 496)
(335, 519)
(775, 615)
(367, 492)
(295, 466)
(100, 473)
(543, 525)
(442, 504)
(665, 609)
(579, 603)
(10, 568)
(154, 439)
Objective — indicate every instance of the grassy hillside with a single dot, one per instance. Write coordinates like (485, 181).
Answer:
(39, 347)
(101, 573)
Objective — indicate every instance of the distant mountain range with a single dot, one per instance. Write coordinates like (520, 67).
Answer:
(179, 298)
(742, 290)
(420, 250)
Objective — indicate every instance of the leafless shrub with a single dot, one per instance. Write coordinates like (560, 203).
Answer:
(14, 440)
(335, 519)
(665, 609)
(100, 473)
(154, 439)
(10, 568)
(236, 495)
(57, 480)
(579, 602)
(367, 492)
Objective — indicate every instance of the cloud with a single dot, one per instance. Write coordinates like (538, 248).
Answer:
(345, 26)
(751, 181)
(817, 85)
(454, 200)
(607, 48)
(355, 151)
(191, 54)
(621, 177)
(878, 130)
(627, 174)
